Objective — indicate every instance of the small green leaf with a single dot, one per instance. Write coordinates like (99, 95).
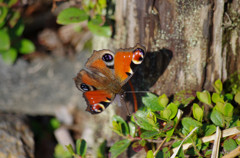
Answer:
(101, 153)
(3, 14)
(197, 112)
(165, 114)
(150, 154)
(163, 100)
(132, 129)
(60, 152)
(119, 147)
(219, 107)
(145, 122)
(209, 130)
(12, 2)
(70, 149)
(184, 97)
(81, 147)
(151, 101)
(189, 123)
(229, 145)
(228, 97)
(217, 98)
(204, 97)
(17, 30)
(97, 20)
(120, 126)
(137, 146)
(149, 134)
(218, 86)
(54, 123)
(228, 110)
(25, 46)
(99, 30)
(174, 110)
(4, 40)
(237, 97)
(71, 15)
(14, 18)
(217, 118)
(9, 56)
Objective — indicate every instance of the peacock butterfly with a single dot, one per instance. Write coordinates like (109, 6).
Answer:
(104, 75)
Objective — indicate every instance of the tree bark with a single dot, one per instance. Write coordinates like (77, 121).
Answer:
(189, 31)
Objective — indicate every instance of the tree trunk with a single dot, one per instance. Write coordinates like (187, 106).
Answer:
(188, 44)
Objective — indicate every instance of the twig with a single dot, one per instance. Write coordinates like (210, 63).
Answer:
(232, 154)
(215, 150)
(225, 133)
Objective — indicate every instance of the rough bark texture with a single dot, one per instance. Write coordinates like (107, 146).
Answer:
(191, 32)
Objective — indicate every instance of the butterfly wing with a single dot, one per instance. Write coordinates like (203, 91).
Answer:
(94, 81)
(126, 62)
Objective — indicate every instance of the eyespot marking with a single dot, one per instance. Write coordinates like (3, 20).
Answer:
(138, 55)
(84, 87)
(108, 59)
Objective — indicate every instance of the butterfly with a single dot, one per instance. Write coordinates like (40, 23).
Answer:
(104, 75)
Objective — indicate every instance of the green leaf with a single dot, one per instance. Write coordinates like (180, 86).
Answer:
(151, 101)
(9, 56)
(165, 114)
(218, 86)
(174, 110)
(150, 154)
(70, 149)
(12, 2)
(189, 124)
(60, 152)
(132, 129)
(137, 146)
(229, 145)
(149, 134)
(71, 15)
(119, 147)
(99, 30)
(204, 97)
(237, 97)
(142, 120)
(197, 112)
(81, 147)
(164, 153)
(4, 40)
(14, 18)
(3, 14)
(228, 97)
(228, 110)
(209, 130)
(25, 46)
(120, 126)
(217, 98)
(101, 153)
(17, 30)
(217, 118)
(184, 97)
(97, 20)
(163, 100)
(54, 123)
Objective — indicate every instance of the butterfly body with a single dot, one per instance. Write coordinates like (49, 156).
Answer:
(104, 75)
